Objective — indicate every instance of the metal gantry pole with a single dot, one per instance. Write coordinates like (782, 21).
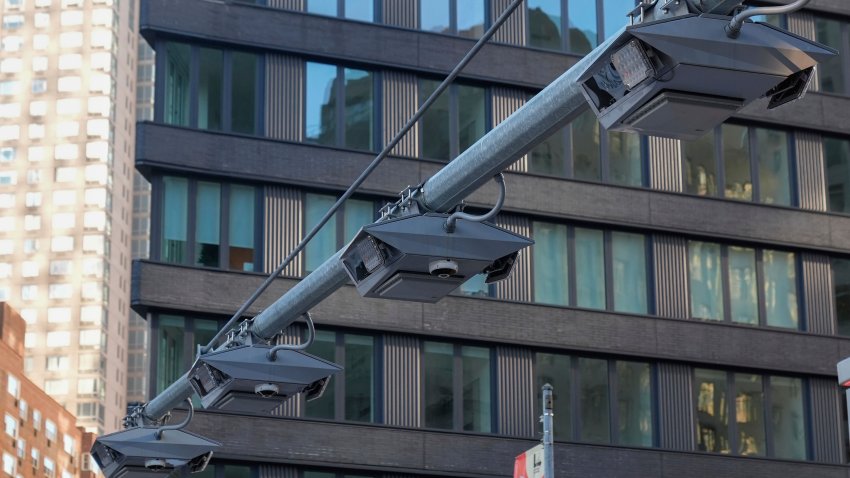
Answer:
(548, 437)
(551, 109)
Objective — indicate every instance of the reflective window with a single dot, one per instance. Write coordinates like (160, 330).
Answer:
(322, 7)
(465, 18)
(629, 272)
(175, 218)
(321, 103)
(463, 105)
(614, 15)
(340, 229)
(207, 224)
(171, 360)
(340, 106)
(544, 24)
(436, 139)
(177, 84)
(590, 268)
(324, 346)
(769, 418)
(550, 263)
(210, 89)
(780, 289)
(363, 10)
(243, 92)
(837, 158)
(434, 16)
(582, 27)
(841, 292)
(831, 72)
(443, 404)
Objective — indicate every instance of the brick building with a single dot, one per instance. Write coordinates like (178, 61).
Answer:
(40, 437)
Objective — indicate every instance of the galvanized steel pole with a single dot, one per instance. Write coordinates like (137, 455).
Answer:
(555, 106)
(548, 437)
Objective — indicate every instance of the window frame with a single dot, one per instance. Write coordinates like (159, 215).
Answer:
(188, 344)
(157, 228)
(844, 25)
(565, 27)
(453, 19)
(338, 219)
(226, 87)
(725, 280)
(340, 10)
(457, 386)
(454, 117)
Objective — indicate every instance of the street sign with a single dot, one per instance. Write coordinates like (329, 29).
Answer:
(530, 463)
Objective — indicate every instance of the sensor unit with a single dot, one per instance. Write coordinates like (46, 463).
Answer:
(138, 453)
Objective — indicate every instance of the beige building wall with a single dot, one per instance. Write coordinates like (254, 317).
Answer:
(67, 123)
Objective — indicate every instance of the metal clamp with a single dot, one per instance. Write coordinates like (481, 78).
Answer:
(449, 226)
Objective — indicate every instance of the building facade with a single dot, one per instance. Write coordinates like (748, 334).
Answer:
(41, 437)
(687, 300)
(67, 94)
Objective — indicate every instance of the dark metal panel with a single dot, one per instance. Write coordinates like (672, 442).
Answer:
(402, 381)
(826, 420)
(515, 391)
(401, 13)
(284, 97)
(665, 164)
(810, 171)
(671, 276)
(505, 102)
(282, 228)
(675, 407)
(518, 285)
(803, 24)
(277, 471)
(513, 31)
(400, 101)
(818, 294)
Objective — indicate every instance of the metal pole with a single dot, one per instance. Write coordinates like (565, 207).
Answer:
(555, 106)
(548, 440)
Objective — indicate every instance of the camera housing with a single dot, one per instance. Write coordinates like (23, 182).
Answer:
(138, 453)
(414, 258)
(242, 378)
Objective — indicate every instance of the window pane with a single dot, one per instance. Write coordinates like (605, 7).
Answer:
(736, 162)
(700, 169)
(706, 289)
(358, 213)
(549, 254)
(322, 7)
(625, 159)
(476, 286)
(830, 72)
(787, 417)
(177, 84)
(774, 177)
(437, 362)
(235, 471)
(205, 330)
(320, 104)
(582, 27)
(780, 289)
(749, 414)
(585, 141)
(207, 224)
(470, 18)
(243, 93)
(359, 378)
(548, 156)
(170, 364)
(634, 403)
(359, 122)
(434, 16)
(837, 154)
(615, 14)
(323, 244)
(556, 371)
(629, 274)
(841, 275)
(360, 10)
(175, 219)
(471, 115)
(435, 122)
(743, 300)
(712, 395)
(324, 346)
(593, 396)
(590, 268)
(210, 89)
(241, 228)
(476, 389)
(544, 24)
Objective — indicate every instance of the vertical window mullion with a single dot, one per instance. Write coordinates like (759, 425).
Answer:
(724, 283)
(600, 24)
(457, 389)
(340, 106)
(194, 74)
(340, 8)
(453, 17)
(760, 288)
(571, 265)
(565, 25)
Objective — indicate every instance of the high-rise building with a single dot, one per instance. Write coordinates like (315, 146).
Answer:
(67, 95)
(687, 300)
(41, 438)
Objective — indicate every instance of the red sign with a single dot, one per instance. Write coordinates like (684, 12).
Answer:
(529, 464)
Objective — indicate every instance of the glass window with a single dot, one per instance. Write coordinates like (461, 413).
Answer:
(210, 91)
(787, 417)
(625, 159)
(590, 268)
(544, 24)
(324, 346)
(476, 389)
(550, 263)
(363, 10)
(359, 109)
(322, 7)
(593, 400)
(705, 278)
(831, 71)
(177, 84)
(780, 289)
(170, 347)
(357, 214)
(736, 162)
(584, 136)
(438, 366)
(841, 291)
(13, 386)
(743, 291)
(207, 224)
(471, 115)
(324, 244)
(470, 18)
(582, 25)
(244, 92)
(359, 378)
(555, 370)
(773, 167)
(175, 218)
(241, 224)
(548, 157)
(436, 140)
(634, 403)
(614, 16)
(749, 414)
(434, 16)
(700, 168)
(320, 104)
(837, 156)
(712, 402)
(628, 253)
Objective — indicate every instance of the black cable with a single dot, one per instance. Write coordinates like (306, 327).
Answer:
(369, 169)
